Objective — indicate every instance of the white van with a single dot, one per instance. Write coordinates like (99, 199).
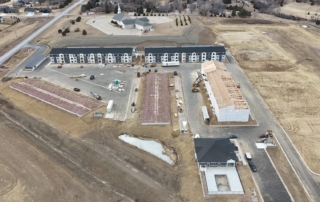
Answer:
(248, 156)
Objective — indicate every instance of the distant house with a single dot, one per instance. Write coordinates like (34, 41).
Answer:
(44, 10)
(2, 8)
(11, 10)
(217, 159)
(30, 11)
(17, 5)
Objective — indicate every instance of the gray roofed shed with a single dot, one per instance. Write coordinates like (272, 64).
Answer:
(36, 62)
(215, 150)
(185, 49)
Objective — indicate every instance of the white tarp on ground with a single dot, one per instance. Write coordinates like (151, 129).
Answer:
(261, 145)
(232, 176)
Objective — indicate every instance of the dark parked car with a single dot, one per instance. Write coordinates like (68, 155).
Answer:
(91, 77)
(252, 166)
(263, 136)
(77, 89)
(233, 137)
(155, 70)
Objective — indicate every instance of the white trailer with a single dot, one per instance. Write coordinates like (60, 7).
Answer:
(205, 114)
(110, 105)
(170, 64)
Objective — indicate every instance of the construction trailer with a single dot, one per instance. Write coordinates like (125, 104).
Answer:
(110, 105)
(205, 114)
(170, 64)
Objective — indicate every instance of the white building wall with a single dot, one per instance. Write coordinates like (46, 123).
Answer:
(231, 114)
(228, 114)
(140, 27)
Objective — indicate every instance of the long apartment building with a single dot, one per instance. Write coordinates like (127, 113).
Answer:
(184, 53)
(92, 55)
(227, 102)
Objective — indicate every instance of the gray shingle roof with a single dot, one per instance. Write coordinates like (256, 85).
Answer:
(185, 49)
(145, 19)
(35, 61)
(142, 23)
(30, 10)
(128, 21)
(56, 51)
(215, 149)
(119, 16)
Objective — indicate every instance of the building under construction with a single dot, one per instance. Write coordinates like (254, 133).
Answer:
(227, 102)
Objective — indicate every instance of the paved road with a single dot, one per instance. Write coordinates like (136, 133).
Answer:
(8, 54)
(40, 50)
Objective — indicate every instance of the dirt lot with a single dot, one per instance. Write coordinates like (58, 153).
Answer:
(12, 35)
(300, 9)
(282, 63)
(64, 23)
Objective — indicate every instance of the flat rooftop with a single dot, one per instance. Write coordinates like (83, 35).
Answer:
(222, 85)
(233, 185)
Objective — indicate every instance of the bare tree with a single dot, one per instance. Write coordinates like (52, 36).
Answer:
(175, 4)
(204, 8)
(180, 8)
(192, 7)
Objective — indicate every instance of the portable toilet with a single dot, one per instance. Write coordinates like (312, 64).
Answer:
(116, 82)
(184, 126)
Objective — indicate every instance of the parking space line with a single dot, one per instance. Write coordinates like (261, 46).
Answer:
(79, 78)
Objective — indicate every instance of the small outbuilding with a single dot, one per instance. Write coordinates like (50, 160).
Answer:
(35, 63)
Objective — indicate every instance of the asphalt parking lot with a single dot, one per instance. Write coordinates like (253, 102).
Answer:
(103, 77)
